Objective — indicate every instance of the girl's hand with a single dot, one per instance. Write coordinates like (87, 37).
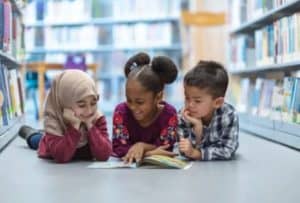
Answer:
(161, 150)
(91, 121)
(135, 153)
(71, 118)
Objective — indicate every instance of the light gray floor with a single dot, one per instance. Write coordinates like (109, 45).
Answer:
(263, 172)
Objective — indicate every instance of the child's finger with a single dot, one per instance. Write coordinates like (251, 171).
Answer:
(130, 160)
(171, 154)
(165, 146)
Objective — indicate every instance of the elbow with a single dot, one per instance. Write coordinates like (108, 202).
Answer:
(62, 160)
(104, 156)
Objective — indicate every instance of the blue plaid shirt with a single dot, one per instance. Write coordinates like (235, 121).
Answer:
(219, 139)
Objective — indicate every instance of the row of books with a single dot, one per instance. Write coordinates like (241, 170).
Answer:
(242, 11)
(11, 95)
(89, 37)
(276, 43)
(11, 41)
(78, 10)
(271, 98)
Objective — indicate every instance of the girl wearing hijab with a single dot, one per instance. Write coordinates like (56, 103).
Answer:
(73, 128)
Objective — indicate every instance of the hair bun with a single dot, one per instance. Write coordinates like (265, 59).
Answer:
(165, 68)
(139, 59)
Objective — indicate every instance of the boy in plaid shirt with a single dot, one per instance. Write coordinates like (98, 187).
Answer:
(208, 127)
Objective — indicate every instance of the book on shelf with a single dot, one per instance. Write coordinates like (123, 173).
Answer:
(153, 161)
(12, 96)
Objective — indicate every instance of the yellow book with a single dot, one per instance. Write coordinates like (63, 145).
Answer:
(154, 161)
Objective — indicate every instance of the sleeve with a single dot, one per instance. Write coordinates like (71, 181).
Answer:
(227, 144)
(99, 142)
(120, 140)
(168, 134)
(62, 148)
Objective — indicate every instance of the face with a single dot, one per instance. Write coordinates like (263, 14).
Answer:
(143, 104)
(199, 103)
(85, 108)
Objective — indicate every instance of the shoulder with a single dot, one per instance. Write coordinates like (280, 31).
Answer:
(226, 109)
(121, 113)
(169, 109)
(169, 114)
(121, 108)
(227, 113)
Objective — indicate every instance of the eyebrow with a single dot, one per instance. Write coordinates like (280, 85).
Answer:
(82, 101)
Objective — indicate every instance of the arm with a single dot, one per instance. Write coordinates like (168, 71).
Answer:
(167, 138)
(226, 146)
(120, 138)
(61, 148)
(99, 143)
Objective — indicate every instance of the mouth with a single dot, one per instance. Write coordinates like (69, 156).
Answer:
(137, 114)
(87, 117)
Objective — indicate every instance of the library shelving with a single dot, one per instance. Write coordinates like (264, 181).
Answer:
(11, 60)
(106, 32)
(264, 63)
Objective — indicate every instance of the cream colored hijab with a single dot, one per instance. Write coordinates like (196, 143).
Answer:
(67, 88)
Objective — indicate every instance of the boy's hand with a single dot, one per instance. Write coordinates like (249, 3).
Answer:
(70, 117)
(185, 146)
(186, 115)
(161, 150)
(135, 153)
(197, 125)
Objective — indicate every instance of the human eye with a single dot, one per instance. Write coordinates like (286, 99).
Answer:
(140, 102)
(81, 105)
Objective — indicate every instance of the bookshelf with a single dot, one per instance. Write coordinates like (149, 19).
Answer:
(107, 32)
(11, 59)
(264, 63)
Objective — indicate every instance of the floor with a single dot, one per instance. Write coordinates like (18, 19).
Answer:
(262, 172)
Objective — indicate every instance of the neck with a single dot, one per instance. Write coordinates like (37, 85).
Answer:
(152, 118)
(207, 119)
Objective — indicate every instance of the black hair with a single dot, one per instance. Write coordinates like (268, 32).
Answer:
(152, 75)
(208, 75)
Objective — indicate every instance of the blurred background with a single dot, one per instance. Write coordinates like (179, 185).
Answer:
(106, 33)
(258, 41)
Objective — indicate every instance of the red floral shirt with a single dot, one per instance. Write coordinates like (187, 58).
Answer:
(127, 131)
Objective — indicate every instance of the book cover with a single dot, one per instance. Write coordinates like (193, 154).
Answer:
(154, 161)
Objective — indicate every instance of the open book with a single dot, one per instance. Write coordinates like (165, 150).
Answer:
(155, 161)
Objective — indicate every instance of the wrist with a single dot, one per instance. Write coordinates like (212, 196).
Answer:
(196, 154)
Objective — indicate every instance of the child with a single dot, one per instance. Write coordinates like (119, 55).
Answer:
(145, 125)
(73, 126)
(208, 126)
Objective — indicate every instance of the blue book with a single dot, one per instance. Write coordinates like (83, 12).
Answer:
(40, 8)
(5, 107)
(1, 24)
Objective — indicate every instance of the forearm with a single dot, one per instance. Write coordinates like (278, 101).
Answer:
(147, 147)
(100, 145)
(217, 153)
(198, 130)
(196, 154)
(62, 148)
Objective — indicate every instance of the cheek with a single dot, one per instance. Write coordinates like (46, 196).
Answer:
(77, 111)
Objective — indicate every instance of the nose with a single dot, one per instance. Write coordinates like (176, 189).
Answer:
(190, 104)
(131, 107)
(89, 110)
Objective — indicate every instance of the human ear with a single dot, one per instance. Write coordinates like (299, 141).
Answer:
(218, 102)
(159, 97)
